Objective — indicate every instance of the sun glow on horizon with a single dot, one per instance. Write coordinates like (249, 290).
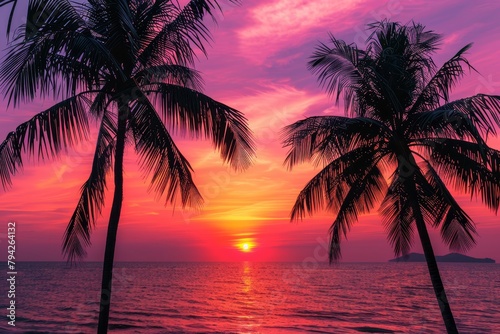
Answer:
(245, 244)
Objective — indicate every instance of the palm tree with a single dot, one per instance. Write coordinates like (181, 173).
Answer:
(401, 144)
(127, 65)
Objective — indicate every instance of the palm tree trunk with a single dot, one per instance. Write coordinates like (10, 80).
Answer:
(109, 253)
(444, 306)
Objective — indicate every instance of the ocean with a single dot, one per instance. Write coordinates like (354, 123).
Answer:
(252, 297)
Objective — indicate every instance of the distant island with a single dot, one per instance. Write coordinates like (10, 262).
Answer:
(452, 257)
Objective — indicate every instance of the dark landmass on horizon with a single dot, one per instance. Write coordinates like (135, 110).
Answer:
(452, 257)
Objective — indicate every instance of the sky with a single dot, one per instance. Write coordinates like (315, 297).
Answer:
(256, 64)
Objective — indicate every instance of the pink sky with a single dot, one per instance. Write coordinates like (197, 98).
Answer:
(257, 64)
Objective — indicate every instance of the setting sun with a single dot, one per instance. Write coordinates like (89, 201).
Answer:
(245, 244)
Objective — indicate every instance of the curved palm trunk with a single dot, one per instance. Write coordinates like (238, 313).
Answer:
(109, 253)
(444, 306)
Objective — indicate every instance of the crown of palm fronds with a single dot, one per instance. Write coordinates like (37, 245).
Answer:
(403, 141)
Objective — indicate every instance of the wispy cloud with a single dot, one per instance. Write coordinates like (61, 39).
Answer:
(285, 23)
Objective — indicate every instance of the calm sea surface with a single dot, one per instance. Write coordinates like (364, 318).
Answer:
(253, 298)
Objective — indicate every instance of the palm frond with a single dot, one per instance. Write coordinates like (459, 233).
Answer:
(176, 36)
(77, 234)
(187, 111)
(44, 135)
(170, 74)
(432, 207)
(327, 188)
(149, 16)
(50, 15)
(304, 136)
(101, 100)
(483, 110)
(324, 138)
(457, 228)
(149, 19)
(363, 194)
(335, 251)
(468, 166)
(439, 86)
(10, 159)
(189, 21)
(423, 42)
(350, 185)
(76, 75)
(443, 123)
(339, 70)
(397, 217)
(11, 14)
(159, 157)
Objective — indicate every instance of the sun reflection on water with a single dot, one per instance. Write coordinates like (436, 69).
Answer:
(247, 278)
(247, 299)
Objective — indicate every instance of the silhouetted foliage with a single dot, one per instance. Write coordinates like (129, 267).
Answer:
(13, 4)
(401, 144)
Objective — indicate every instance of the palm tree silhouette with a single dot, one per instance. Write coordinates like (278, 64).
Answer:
(126, 64)
(401, 144)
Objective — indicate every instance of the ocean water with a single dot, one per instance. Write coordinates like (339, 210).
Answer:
(254, 298)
